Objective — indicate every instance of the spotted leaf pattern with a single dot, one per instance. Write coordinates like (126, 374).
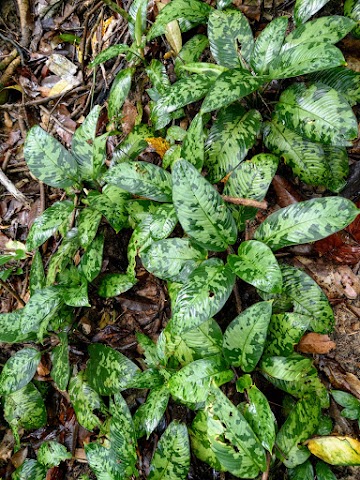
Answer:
(111, 203)
(60, 371)
(19, 370)
(149, 414)
(200, 209)
(304, 471)
(352, 10)
(291, 368)
(31, 470)
(52, 453)
(190, 52)
(119, 91)
(91, 261)
(193, 145)
(84, 400)
(327, 30)
(285, 331)
(343, 80)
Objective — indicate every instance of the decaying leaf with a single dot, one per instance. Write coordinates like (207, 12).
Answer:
(315, 343)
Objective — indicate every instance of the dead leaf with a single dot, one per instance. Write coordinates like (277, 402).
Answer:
(285, 192)
(160, 145)
(316, 343)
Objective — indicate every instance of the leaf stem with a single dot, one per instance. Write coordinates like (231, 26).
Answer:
(118, 10)
(247, 202)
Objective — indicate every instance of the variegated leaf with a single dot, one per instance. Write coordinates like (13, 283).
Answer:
(326, 30)
(232, 135)
(172, 259)
(149, 414)
(231, 438)
(172, 457)
(304, 471)
(91, 261)
(343, 80)
(52, 453)
(352, 10)
(37, 274)
(63, 256)
(87, 224)
(48, 160)
(119, 91)
(318, 113)
(305, 58)
(191, 384)
(285, 331)
(230, 86)
(108, 53)
(323, 472)
(84, 400)
(143, 179)
(114, 284)
(108, 371)
(336, 449)
(190, 52)
(304, 9)
(193, 145)
(256, 264)
(301, 423)
(193, 11)
(291, 368)
(111, 203)
(268, 44)
(60, 371)
(306, 221)
(244, 338)
(19, 370)
(103, 462)
(133, 144)
(201, 211)
(30, 470)
(226, 30)
(48, 223)
(159, 79)
(203, 295)
(137, 20)
(251, 179)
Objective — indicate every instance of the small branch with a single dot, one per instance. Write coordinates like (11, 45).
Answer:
(9, 72)
(247, 202)
(26, 22)
(12, 292)
(10, 187)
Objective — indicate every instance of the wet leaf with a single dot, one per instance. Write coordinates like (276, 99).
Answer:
(60, 371)
(119, 91)
(202, 296)
(301, 423)
(256, 264)
(233, 133)
(52, 453)
(54, 217)
(302, 472)
(201, 211)
(284, 332)
(113, 284)
(305, 222)
(48, 160)
(30, 470)
(108, 371)
(336, 450)
(143, 179)
(149, 414)
(244, 338)
(291, 368)
(226, 30)
(172, 456)
(84, 400)
(19, 370)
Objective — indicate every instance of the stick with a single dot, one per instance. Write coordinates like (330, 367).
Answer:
(10, 187)
(13, 293)
(247, 202)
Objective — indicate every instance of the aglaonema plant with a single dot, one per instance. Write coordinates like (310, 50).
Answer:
(310, 127)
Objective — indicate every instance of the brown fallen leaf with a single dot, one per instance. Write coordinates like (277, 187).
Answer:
(316, 343)
(285, 192)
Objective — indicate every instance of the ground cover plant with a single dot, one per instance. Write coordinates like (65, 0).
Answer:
(188, 218)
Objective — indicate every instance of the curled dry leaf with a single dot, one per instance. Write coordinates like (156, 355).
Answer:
(316, 343)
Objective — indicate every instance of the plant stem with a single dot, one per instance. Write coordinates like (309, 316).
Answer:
(118, 10)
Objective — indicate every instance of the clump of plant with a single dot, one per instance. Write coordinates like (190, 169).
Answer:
(309, 127)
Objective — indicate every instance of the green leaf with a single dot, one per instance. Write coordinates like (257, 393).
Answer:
(343, 80)
(119, 91)
(60, 371)
(52, 453)
(304, 9)
(108, 371)
(326, 30)
(187, 90)
(91, 261)
(133, 144)
(232, 439)
(63, 256)
(244, 338)
(201, 211)
(113, 284)
(24, 408)
(172, 456)
(19, 370)
(108, 53)
(314, 163)
(285, 331)
(190, 52)
(232, 135)
(291, 368)
(87, 224)
(346, 400)
(149, 414)
(352, 10)
(203, 295)
(305, 58)
(193, 144)
(54, 217)
(301, 423)
(158, 77)
(150, 378)
(227, 29)
(173, 258)
(143, 179)
(112, 204)
(84, 400)
(251, 179)
(336, 450)
(193, 11)
(37, 274)
(103, 462)
(230, 86)
(323, 472)
(306, 221)
(318, 113)
(260, 417)
(191, 384)
(137, 12)
(268, 44)
(302, 472)
(48, 160)
(30, 470)
(256, 264)
(220, 4)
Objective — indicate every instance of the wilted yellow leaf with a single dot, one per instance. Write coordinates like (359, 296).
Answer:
(172, 32)
(336, 450)
(160, 145)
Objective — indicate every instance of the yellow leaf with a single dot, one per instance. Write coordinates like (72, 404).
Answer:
(336, 450)
(160, 145)
(172, 32)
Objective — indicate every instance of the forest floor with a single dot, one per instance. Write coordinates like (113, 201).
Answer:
(34, 95)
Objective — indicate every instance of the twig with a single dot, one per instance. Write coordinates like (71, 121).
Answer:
(8, 73)
(8, 59)
(14, 44)
(12, 292)
(10, 187)
(26, 22)
(247, 202)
